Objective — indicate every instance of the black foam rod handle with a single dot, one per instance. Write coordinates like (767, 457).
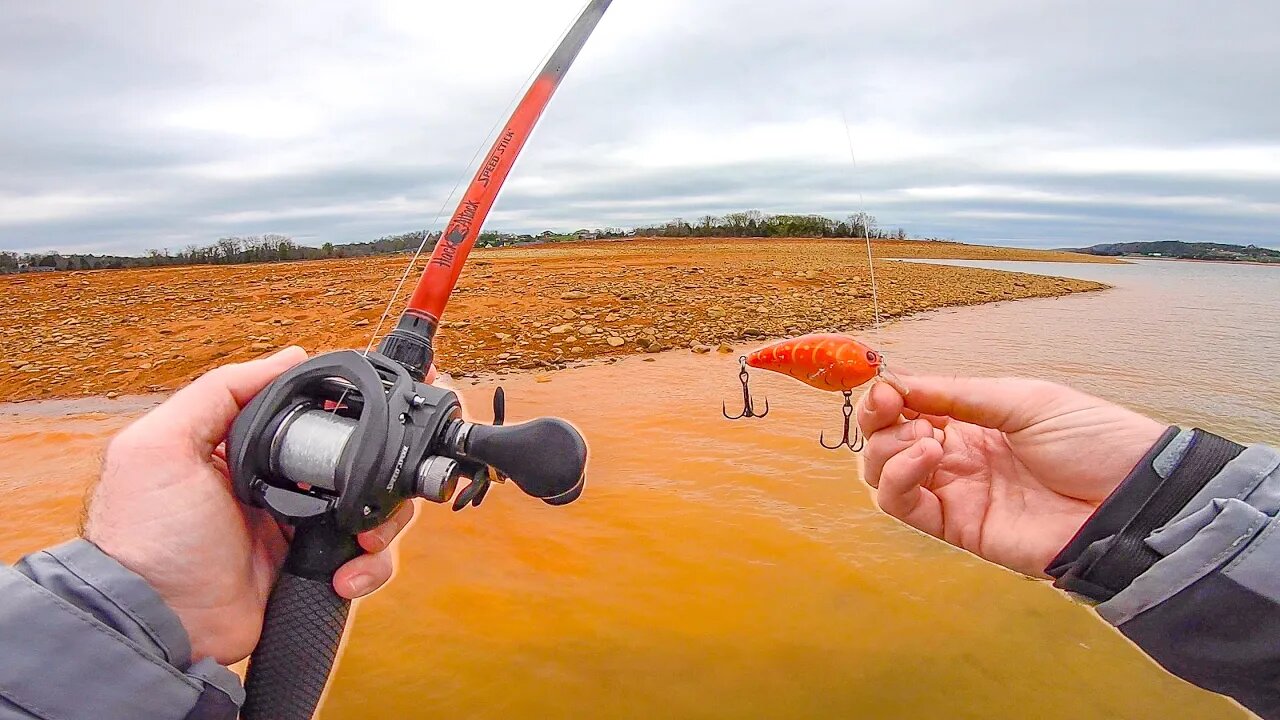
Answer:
(300, 637)
(546, 457)
(302, 629)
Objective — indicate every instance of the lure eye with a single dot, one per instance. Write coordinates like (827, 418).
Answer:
(872, 357)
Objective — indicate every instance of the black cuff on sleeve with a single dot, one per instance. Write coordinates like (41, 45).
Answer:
(1110, 549)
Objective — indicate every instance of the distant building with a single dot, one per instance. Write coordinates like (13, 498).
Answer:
(587, 235)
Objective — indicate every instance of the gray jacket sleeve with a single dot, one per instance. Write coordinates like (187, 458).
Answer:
(83, 637)
(1184, 558)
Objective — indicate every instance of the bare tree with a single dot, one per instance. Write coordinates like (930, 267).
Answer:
(229, 248)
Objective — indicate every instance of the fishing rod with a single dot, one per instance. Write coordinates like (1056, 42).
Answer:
(336, 445)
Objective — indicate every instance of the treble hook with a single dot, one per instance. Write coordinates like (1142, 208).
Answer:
(858, 441)
(748, 407)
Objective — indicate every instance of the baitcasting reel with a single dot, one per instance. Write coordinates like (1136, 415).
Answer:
(332, 448)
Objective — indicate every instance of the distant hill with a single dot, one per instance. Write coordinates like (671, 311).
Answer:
(1184, 251)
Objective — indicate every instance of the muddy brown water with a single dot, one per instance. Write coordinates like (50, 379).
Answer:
(726, 570)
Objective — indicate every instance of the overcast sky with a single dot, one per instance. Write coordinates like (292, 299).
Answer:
(126, 126)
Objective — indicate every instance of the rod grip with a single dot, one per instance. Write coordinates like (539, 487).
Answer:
(301, 630)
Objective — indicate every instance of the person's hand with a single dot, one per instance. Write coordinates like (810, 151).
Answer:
(164, 508)
(1008, 469)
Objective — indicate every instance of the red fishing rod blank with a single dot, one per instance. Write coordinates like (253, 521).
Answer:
(410, 342)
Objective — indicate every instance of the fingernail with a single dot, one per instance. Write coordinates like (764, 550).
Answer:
(870, 402)
(907, 431)
(360, 585)
(916, 451)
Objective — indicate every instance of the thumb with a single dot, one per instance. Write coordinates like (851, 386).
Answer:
(202, 412)
(1005, 404)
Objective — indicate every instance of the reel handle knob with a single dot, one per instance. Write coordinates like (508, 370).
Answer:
(546, 457)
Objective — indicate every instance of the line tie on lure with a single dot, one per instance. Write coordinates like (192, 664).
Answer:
(826, 361)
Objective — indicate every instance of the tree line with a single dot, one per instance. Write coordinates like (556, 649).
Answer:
(753, 223)
(231, 250)
(273, 247)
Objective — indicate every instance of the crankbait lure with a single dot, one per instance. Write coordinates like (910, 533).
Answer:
(826, 361)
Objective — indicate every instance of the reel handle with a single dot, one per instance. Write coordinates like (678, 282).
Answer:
(546, 457)
(302, 629)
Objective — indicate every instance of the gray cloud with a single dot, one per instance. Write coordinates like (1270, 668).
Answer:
(144, 125)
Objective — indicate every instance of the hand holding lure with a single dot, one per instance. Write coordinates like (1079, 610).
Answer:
(826, 361)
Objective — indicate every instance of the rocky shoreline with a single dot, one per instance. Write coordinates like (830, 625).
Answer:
(532, 308)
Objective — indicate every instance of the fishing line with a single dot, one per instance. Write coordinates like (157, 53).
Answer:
(866, 230)
(466, 172)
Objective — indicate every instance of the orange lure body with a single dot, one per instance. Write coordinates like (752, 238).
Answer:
(826, 361)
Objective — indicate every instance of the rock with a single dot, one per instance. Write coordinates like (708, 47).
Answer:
(19, 364)
(260, 346)
(144, 366)
(587, 329)
(560, 329)
(569, 315)
(653, 347)
(113, 395)
(701, 349)
(361, 323)
(777, 273)
(810, 274)
(615, 341)
(574, 295)
(502, 337)
(725, 348)
(542, 378)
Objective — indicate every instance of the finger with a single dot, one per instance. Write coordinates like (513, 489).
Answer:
(203, 411)
(1006, 404)
(379, 538)
(938, 421)
(363, 575)
(901, 492)
(889, 442)
(431, 374)
(878, 408)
